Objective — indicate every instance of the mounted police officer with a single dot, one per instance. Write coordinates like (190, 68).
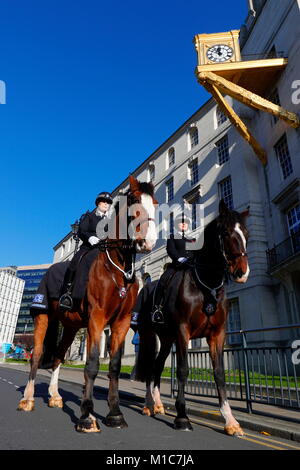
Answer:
(87, 232)
(178, 250)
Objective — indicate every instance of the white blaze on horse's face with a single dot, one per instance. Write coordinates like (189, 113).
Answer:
(148, 243)
(245, 265)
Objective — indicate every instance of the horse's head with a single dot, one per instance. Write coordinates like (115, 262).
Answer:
(233, 237)
(141, 203)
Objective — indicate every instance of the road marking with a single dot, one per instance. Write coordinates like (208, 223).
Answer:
(262, 443)
(247, 437)
(273, 440)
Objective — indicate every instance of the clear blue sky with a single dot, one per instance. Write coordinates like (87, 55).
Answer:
(93, 88)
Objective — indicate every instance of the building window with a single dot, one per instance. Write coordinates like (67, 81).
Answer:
(293, 216)
(223, 150)
(194, 138)
(194, 172)
(283, 155)
(221, 117)
(169, 190)
(146, 278)
(171, 157)
(151, 173)
(225, 192)
(234, 322)
(194, 203)
(171, 224)
(274, 97)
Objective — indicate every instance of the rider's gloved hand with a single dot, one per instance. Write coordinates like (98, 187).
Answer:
(93, 240)
(182, 260)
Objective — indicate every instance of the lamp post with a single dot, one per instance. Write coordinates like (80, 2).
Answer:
(75, 227)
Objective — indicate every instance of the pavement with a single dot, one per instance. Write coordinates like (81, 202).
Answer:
(265, 419)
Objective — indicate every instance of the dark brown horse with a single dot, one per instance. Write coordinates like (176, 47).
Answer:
(189, 293)
(111, 294)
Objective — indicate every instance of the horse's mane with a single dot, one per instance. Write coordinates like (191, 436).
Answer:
(222, 223)
(143, 187)
(226, 221)
(146, 188)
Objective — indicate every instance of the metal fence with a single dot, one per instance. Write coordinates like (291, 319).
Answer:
(283, 250)
(268, 375)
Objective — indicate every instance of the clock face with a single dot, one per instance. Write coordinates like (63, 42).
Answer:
(219, 53)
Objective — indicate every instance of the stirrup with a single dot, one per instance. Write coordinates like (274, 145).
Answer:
(66, 302)
(157, 315)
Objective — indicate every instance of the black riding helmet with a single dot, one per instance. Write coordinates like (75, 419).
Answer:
(104, 197)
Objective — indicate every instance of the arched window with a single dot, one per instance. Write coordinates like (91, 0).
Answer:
(171, 157)
(193, 137)
(151, 173)
(221, 117)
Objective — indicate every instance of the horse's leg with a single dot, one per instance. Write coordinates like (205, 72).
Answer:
(40, 327)
(153, 403)
(87, 421)
(55, 400)
(216, 345)
(119, 330)
(181, 421)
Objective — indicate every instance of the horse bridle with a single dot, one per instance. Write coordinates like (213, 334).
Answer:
(229, 259)
(104, 245)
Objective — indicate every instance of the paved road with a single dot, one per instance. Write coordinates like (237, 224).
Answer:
(54, 429)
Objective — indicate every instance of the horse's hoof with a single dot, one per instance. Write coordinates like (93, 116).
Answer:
(234, 430)
(55, 402)
(88, 425)
(182, 424)
(26, 405)
(159, 410)
(115, 421)
(147, 411)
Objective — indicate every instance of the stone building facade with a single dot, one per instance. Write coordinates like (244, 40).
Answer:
(205, 160)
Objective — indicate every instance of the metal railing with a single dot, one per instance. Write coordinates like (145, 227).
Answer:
(261, 56)
(268, 375)
(283, 251)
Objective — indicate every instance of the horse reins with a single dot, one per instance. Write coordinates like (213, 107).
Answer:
(127, 274)
(214, 290)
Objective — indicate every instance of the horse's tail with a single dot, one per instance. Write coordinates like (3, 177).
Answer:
(146, 355)
(50, 344)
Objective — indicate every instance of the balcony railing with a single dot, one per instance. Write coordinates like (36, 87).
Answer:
(261, 56)
(283, 251)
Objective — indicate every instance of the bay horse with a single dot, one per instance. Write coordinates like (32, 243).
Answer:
(223, 252)
(111, 293)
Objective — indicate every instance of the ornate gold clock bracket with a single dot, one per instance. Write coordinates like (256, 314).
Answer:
(236, 121)
(216, 85)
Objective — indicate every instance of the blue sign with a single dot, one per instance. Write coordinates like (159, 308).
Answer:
(6, 347)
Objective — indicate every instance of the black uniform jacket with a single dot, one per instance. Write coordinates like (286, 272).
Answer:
(87, 227)
(176, 247)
